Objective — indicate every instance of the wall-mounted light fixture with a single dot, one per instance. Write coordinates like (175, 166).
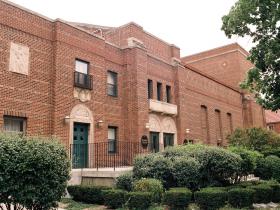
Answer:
(99, 123)
(188, 130)
(67, 120)
(147, 125)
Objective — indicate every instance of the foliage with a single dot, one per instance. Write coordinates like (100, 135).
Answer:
(125, 182)
(261, 21)
(87, 194)
(211, 198)
(268, 168)
(73, 205)
(258, 139)
(263, 193)
(249, 160)
(240, 197)
(177, 198)
(216, 166)
(139, 200)
(153, 186)
(33, 171)
(186, 172)
(154, 166)
(114, 198)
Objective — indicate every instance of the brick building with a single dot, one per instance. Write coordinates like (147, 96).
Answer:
(86, 84)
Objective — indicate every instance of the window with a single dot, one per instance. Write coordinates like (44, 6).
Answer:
(14, 124)
(112, 139)
(150, 89)
(159, 95)
(81, 66)
(82, 79)
(112, 86)
(204, 123)
(230, 126)
(270, 127)
(168, 139)
(218, 124)
(168, 94)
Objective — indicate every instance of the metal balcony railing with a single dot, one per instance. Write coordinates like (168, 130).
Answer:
(82, 80)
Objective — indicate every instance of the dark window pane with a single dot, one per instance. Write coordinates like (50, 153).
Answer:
(150, 89)
(168, 94)
(159, 91)
(112, 85)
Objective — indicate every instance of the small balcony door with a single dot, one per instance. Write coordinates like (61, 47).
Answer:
(80, 146)
(154, 141)
(168, 139)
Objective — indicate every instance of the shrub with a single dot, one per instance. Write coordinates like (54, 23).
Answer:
(275, 191)
(114, 198)
(125, 182)
(240, 197)
(258, 139)
(211, 198)
(218, 165)
(154, 166)
(139, 200)
(34, 171)
(87, 194)
(263, 193)
(249, 160)
(177, 198)
(186, 172)
(268, 168)
(153, 186)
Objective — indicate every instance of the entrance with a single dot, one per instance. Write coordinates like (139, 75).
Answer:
(80, 146)
(168, 139)
(154, 141)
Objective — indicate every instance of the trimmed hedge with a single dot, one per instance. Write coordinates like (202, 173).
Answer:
(139, 200)
(211, 198)
(240, 197)
(87, 194)
(177, 198)
(153, 186)
(125, 182)
(114, 198)
(263, 193)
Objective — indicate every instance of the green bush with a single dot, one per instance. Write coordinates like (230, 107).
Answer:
(258, 139)
(211, 198)
(275, 191)
(125, 182)
(177, 198)
(87, 194)
(153, 186)
(263, 193)
(139, 200)
(249, 160)
(268, 168)
(154, 166)
(114, 198)
(240, 197)
(33, 171)
(217, 165)
(186, 172)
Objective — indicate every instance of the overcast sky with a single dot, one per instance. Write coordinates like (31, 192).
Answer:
(192, 25)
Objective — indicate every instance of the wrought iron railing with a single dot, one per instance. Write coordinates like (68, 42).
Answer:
(82, 80)
(99, 155)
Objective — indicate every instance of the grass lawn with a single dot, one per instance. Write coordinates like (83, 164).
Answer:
(69, 204)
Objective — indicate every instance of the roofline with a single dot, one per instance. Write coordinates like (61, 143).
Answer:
(217, 48)
(211, 78)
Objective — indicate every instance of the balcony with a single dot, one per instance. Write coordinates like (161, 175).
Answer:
(162, 107)
(82, 80)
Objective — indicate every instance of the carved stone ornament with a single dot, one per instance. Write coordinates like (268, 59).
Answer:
(19, 58)
(82, 94)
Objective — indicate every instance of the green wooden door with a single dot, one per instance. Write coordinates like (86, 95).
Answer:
(168, 139)
(80, 146)
(154, 141)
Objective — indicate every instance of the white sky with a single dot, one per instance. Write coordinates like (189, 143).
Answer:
(192, 25)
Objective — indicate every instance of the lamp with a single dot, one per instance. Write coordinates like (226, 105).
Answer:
(67, 120)
(99, 123)
(147, 125)
(188, 130)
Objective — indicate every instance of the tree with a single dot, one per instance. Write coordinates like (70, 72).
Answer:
(259, 19)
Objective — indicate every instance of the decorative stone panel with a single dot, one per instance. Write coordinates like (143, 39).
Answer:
(82, 94)
(19, 58)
